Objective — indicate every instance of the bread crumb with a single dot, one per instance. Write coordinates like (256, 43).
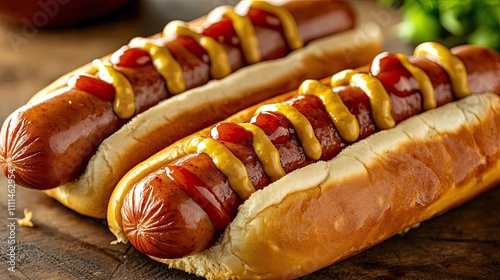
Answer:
(26, 220)
(406, 230)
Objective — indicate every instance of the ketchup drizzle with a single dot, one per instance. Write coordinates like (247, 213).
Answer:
(92, 85)
(393, 75)
(223, 32)
(231, 132)
(275, 125)
(264, 19)
(201, 195)
(193, 47)
(130, 57)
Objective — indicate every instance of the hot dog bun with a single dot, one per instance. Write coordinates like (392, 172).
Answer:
(372, 190)
(177, 116)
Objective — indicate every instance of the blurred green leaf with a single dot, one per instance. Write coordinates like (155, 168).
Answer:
(450, 22)
(420, 24)
(488, 14)
(457, 16)
(486, 37)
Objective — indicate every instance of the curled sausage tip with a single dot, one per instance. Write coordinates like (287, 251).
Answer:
(19, 156)
(160, 227)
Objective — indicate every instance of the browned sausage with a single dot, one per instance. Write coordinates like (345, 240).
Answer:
(480, 74)
(149, 229)
(439, 79)
(22, 144)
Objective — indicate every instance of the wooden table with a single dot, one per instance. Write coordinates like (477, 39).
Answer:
(461, 244)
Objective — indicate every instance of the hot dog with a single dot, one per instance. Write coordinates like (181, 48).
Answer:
(319, 174)
(77, 137)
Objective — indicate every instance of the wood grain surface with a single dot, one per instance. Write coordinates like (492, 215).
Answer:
(460, 244)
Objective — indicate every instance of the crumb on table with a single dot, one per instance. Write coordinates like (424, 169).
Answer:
(26, 220)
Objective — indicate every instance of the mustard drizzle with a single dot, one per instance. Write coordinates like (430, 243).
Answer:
(226, 162)
(266, 152)
(424, 83)
(303, 128)
(345, 122)
(244, 30)
(450, 63)
(164, 62)
(287, 20)
(379, 98)
(219, 61)
(124, 104)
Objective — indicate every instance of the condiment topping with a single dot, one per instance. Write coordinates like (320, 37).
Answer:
(379, 98)
(303, 127)
(244, 29)
(231, 132)
(451, 64)
(201, 194)
(164, 62)
(92, 85)
(344, 121)
(226, 162)
(124, 104)
(424, 83)
(130, 57)
(219, 62)
(395, 78)
(287, 20)
(275, 125)
(266, 152)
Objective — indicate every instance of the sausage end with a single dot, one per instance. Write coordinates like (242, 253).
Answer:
(160, 220)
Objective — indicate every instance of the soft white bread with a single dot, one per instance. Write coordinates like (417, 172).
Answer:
(372, 190)
(195, 109)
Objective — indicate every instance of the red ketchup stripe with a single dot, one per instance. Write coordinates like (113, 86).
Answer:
(92, 85)
(393, 75)
(130, 57)
(264, 19)
(223, 32)
(201, 194)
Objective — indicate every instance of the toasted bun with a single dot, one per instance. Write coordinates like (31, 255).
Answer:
(195, 109)
(372, 190)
